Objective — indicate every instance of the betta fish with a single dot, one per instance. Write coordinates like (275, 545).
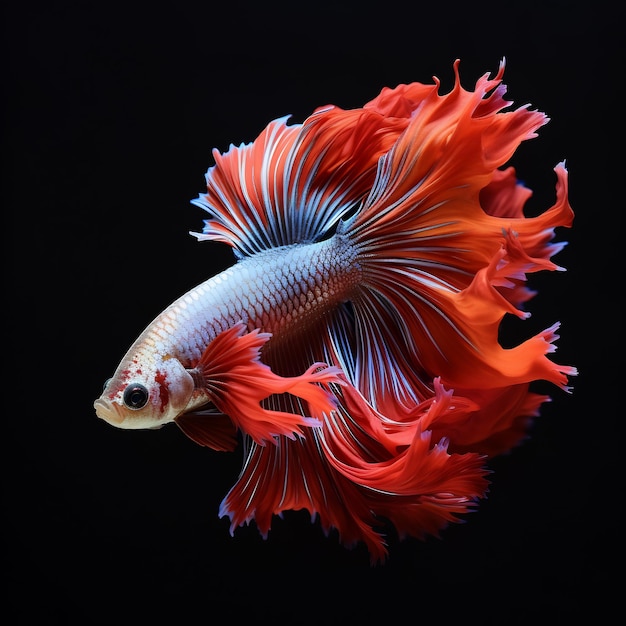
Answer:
(352, 349)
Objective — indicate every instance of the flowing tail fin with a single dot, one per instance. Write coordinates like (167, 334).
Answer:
(443, 261)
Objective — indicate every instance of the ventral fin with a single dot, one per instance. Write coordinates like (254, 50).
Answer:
(208, 428)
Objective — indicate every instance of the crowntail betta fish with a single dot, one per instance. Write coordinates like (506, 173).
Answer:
(353, 347)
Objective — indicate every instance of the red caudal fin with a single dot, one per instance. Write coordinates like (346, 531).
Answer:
(236, 381)
(445, 251)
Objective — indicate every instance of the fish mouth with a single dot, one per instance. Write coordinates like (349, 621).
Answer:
(108, 412)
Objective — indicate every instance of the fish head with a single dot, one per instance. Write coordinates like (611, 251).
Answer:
(141, 395)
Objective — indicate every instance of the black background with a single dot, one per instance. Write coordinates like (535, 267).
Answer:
(111, 112)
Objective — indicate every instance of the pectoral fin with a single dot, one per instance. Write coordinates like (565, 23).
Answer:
(237, 382)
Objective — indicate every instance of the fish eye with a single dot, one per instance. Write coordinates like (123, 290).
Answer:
(135, 396)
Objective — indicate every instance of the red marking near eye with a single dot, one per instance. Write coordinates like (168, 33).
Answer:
(121, 384)
(161, 379)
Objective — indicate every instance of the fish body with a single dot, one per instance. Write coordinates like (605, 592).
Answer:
(354, 343)
(285, 292)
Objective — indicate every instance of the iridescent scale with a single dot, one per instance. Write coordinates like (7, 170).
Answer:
(282, 291)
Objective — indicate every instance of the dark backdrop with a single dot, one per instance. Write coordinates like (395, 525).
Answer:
(111, 112)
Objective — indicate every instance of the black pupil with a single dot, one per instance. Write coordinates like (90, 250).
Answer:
(135, 396)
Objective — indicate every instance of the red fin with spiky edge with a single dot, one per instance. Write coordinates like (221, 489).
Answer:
(440, 270)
